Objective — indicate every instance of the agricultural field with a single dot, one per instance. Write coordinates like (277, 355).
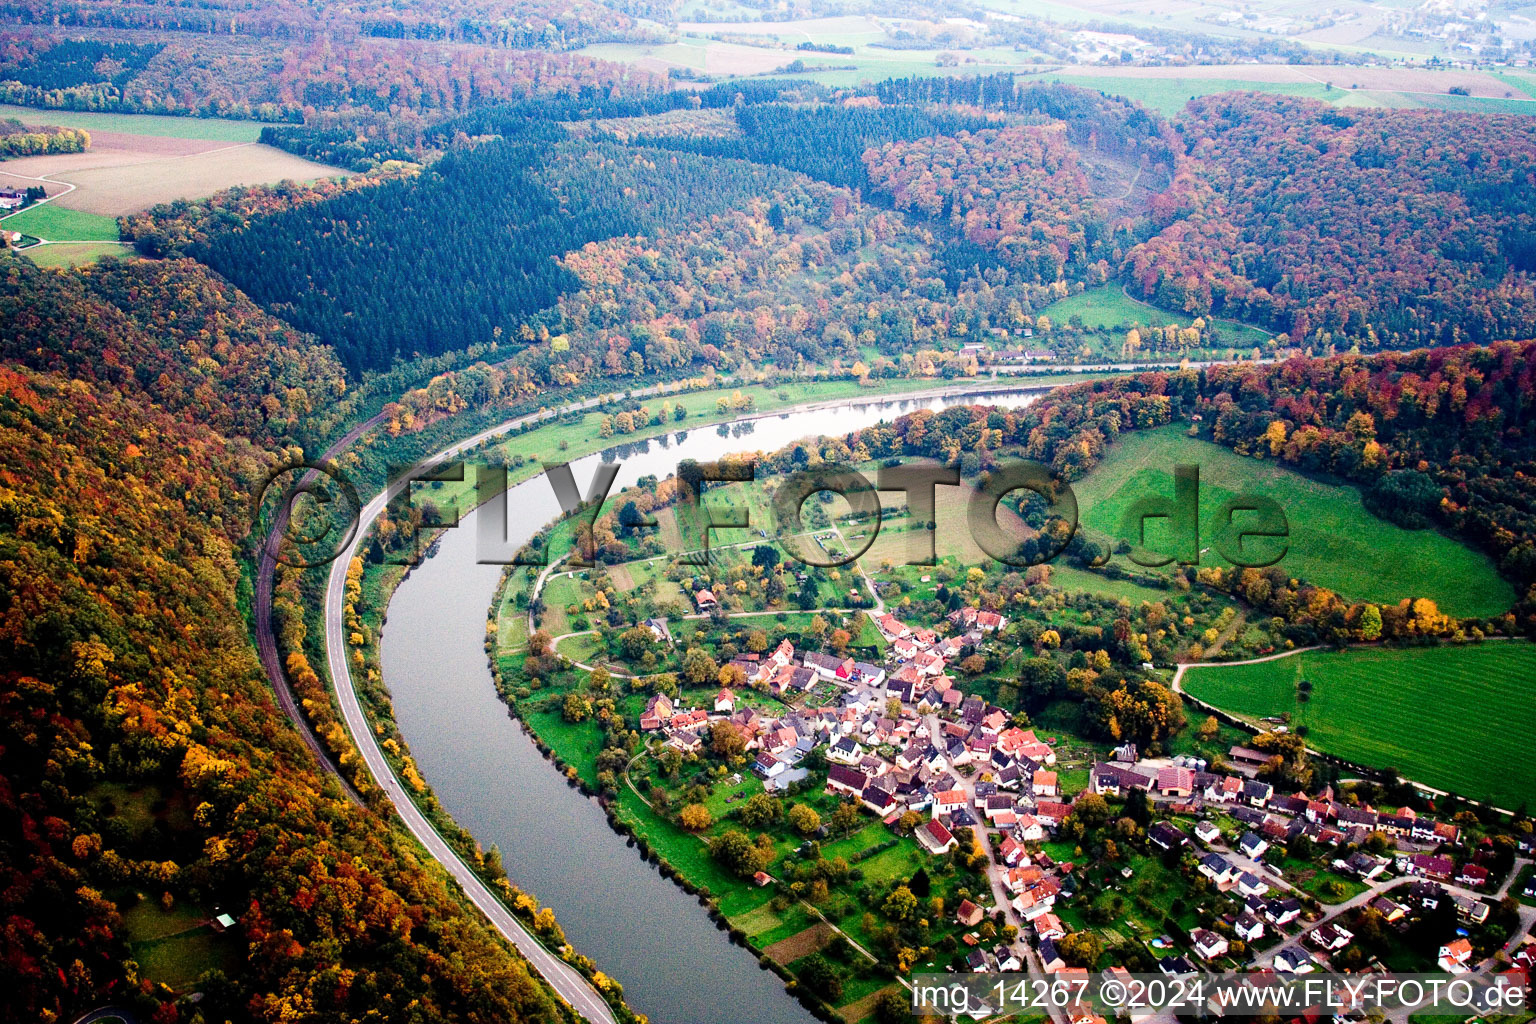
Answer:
(124, 173)
(73, 254)
(212, 129)
(61, 224)
(1456, 718)
(1334, 542)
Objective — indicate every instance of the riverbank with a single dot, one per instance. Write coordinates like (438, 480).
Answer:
(383, 716)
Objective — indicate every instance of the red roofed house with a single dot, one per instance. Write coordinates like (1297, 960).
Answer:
(1473, 876)
(935, 838)
(1455, 957)
(1044, 783)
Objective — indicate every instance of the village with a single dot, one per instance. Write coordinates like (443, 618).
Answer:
(1283, 883)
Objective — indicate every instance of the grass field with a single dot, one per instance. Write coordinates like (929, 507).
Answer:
(211, 128)
(1109, 306)
(57, 224)
(1334, 542)
(75, 253)
(1456, 718)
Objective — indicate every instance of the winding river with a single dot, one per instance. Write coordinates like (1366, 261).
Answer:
(675, 965)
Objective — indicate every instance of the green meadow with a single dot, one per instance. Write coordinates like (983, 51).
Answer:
(1457, 718)
(1334, 541)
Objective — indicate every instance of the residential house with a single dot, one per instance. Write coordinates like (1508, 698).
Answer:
(1207, 832)
(1362, 865)
(846, 750)
(1390, 910)
(767, 766)
(872, 675)
(932, 836)
(725, 702)
(969, 914)
(684, 742)
(658, 710)
(949, 801)
(1049, 926)
(1166, 836)
(705, 599)
(1248, 927)
(1469, 909)
(1455, 957)
(1176, 966)
(1473, 876)
(1029, 828)
(1050, 959)
(1252, 845)
(1043, 783)
(1281, 912)
(1208, 944)
(829, 666)
(1426, 865)
(1257, 793)
(1294, 960)
(1330, 937)
(1217, 868)
(1250, 884)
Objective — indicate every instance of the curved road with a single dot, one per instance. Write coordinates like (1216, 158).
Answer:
(571, 986)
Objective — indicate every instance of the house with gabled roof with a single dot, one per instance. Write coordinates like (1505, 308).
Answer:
(1209, 944)
(1248, 927)
(932, 836)
(846, 781)
(1166, 836)
(1294, 960)
(1455, 957)
(1217, 868)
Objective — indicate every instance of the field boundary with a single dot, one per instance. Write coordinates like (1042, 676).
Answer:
(1247, 724)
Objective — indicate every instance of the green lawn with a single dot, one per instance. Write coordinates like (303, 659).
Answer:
(1457, 718)
(1071, 578)
(57, 224)
(75, 253)
(213, 129)
(1334, 542)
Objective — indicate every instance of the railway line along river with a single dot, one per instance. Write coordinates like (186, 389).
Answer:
(675, 965)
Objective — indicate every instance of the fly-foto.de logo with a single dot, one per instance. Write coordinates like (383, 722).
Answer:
(1042, 521)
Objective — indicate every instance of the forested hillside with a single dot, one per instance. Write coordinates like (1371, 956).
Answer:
(1434, 437)
(1019, 191)
(557, 24)
(145, 766)
(481, 228)
(289, 78)
(1394, 228)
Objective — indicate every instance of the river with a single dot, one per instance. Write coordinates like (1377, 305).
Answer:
(675, 965)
